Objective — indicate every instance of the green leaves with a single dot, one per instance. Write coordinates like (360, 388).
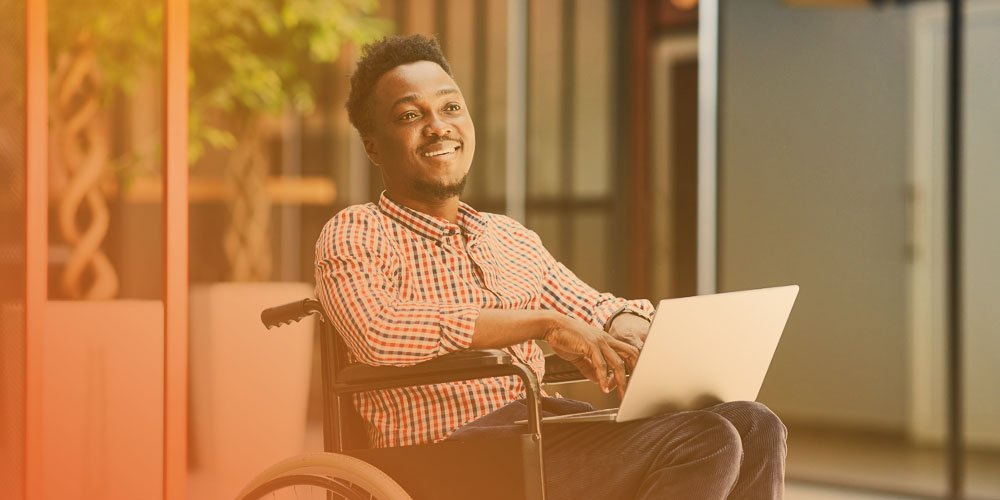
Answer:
(247, 56)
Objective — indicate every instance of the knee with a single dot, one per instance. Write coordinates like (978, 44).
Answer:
(765, 421)
(713, 434)
(716, 427)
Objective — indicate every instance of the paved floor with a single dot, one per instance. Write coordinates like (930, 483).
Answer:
(802, 491)
(883, 462)
(840, 465)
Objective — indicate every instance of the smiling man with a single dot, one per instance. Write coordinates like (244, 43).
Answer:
(420, 274)
(425, 140)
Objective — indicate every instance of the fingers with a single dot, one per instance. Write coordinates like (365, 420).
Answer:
(601, 368)
(639, 342)
(603, 358)
(616, 370)
(635, 342)
(628, 352)
(612, 360)
(631, 337)
(587, 369)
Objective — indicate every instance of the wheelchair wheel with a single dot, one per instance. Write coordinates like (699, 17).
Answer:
(323, 476)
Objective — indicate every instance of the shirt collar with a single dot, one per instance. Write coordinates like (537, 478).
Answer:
(471, 222)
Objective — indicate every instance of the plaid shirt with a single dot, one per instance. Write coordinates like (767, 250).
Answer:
(404, 287)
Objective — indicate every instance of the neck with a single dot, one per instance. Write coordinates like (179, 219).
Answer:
(446, 209)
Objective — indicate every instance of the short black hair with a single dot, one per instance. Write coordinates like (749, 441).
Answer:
(377, 59)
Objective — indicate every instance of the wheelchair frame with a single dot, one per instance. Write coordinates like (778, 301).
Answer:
(514, 466)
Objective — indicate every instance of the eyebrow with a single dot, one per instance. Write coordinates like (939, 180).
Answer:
(413, 97)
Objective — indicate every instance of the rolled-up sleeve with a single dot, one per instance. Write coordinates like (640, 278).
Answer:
(357, 274)
(564, 292)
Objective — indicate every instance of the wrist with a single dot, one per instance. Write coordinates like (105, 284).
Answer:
(625, 310)
(551, 322)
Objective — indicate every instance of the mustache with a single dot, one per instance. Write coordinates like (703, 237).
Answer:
(442, 139)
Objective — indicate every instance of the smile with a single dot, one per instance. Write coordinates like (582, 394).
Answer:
(442, 150)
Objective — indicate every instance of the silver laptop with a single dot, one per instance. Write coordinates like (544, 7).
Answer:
(701, 351)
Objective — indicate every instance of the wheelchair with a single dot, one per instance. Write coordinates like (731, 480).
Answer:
(498, 468)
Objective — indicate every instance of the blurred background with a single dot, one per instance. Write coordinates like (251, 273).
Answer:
(660, 148)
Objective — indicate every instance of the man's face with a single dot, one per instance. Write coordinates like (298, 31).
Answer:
(422, 135)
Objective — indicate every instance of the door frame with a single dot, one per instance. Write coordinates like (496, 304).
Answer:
(667, 52)
(927, 227)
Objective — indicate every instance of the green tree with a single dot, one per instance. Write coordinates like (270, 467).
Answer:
(247, 56)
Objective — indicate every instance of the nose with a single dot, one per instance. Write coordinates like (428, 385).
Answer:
(436, 127)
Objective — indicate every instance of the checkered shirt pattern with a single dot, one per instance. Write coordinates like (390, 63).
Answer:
(404, 287)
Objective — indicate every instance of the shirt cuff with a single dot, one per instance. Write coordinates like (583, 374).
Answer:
(606, 311)
(458, 323)
(627, 309)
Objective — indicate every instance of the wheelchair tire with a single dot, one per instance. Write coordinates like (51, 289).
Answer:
(326, 476)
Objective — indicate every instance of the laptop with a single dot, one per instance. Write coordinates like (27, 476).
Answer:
(701, 351)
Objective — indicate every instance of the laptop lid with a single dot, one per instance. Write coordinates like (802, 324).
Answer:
(707, 349)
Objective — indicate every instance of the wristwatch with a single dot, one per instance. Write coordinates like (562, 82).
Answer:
(626, 309)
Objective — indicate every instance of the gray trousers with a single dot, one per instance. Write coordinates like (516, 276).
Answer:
(731, 450)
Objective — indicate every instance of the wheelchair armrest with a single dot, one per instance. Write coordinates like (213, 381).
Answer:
(453, 363)
(558, 370)
(460, 365)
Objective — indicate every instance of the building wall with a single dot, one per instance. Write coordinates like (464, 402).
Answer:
(812, 171)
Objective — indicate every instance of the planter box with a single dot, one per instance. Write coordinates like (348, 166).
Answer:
(102, 400)
(249, 386)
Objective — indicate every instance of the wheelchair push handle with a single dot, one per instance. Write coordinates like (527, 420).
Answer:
(289, 313)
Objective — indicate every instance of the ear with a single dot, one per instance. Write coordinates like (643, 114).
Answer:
(371, 150)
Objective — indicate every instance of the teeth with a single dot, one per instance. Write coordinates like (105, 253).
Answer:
(441, 152)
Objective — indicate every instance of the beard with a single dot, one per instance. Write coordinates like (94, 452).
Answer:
(440, 190)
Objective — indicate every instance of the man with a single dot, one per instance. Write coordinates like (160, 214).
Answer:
(421, 274)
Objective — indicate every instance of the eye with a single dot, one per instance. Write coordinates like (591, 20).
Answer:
(407, 116)
(452, 106)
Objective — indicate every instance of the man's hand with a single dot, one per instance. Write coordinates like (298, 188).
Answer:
(602, 358)
(630, 329)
